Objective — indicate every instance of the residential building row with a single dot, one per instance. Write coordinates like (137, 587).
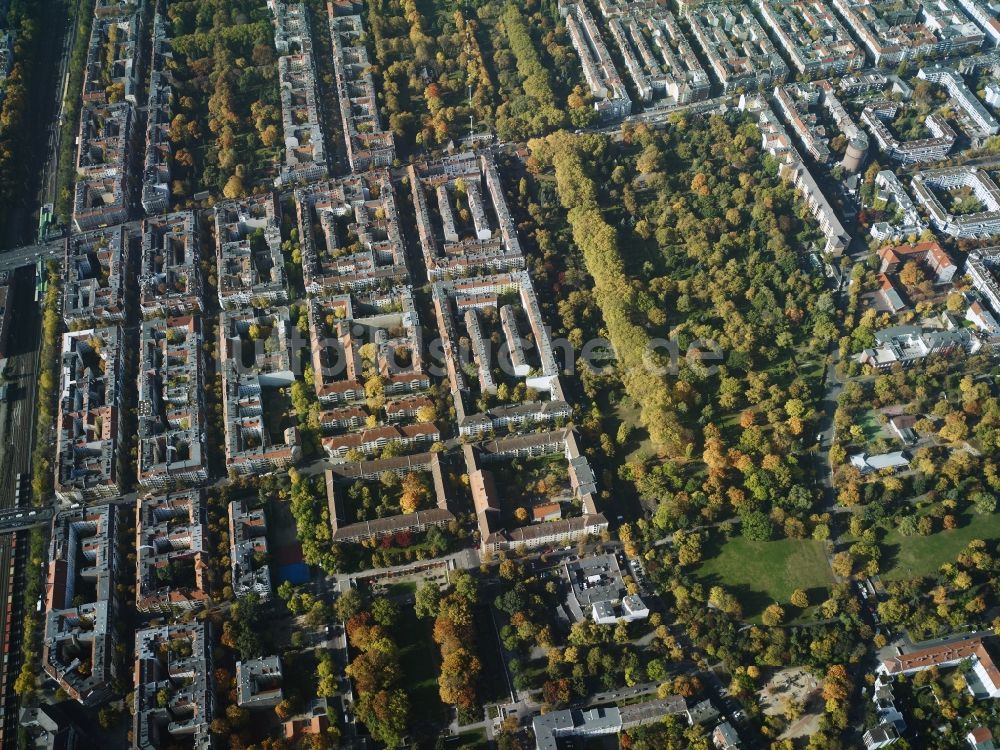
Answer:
(463, 222)
(95, 276)
(879, 115)
(305, 150)
(156, 169)
(738, 50)
(611, 100)
(105, 142)
(812, 36)
(894, 32)
(171, 405)
(368, 144)
(657, 55)
(776, 141)
(170, 282)
(801, 106)
(349, 234)
(89, 427)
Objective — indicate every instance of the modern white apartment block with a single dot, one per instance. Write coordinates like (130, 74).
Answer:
(977, 121)
(878, 116)
(979, 224)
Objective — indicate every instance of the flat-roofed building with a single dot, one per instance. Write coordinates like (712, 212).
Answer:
(984, 222)
(258, 682)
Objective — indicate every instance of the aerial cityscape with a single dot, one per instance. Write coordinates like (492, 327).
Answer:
(495, 375)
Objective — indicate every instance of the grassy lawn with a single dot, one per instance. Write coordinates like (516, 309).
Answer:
(912, 556)
(418, 664)
(475, 740)
(870, 424)
(760, 573)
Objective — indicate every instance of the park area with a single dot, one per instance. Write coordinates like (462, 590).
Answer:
(915, 556)
(761, 573)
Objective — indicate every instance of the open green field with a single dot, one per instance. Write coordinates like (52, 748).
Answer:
(913, 556)
(761, 573)
(418, 665)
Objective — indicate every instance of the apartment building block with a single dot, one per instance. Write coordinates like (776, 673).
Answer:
(368, 144)
(305, 152)
(248, 550)
(174, 697)
(738, 50)
(95, 276)
(982, 223)
(170, 270)
(156, 171)
(79, 641)
(171, 408)
(171, 558)
(612, 101)
(489, 499)
(460, 237)
(657, 55)
(89, 427)
(894, 32)
(256, 363)
(812, 36)
(878, 116)
(977, 121)
(248, 252)
(891, 190)
(349, 234)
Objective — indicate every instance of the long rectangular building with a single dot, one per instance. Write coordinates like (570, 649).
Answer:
(305, 151)
(171, 404)
(89, 427)
(612, 101)
(368, 145)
